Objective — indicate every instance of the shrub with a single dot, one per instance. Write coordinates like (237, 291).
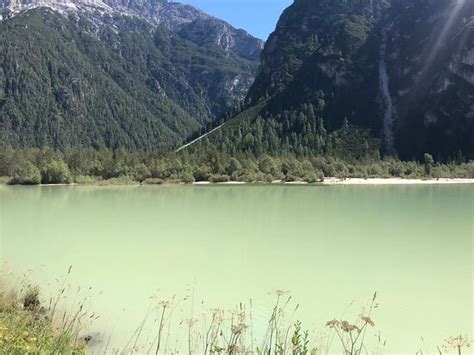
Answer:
(290, 178)
(267, 165)
(395, 170)
(429, 161)
(311, 178)
(375, 170)
(292, 169)
(248, 177)
(329, 170)
(56, 172)
(85, 180)
(320, 175)
(187, 177)
(28, 328)
(220, 178)
(234, 166)
(31, 299)
(26, 174)
(202, 173)
(269, 178)
(141, 172)
(152, 181)
(118, 181)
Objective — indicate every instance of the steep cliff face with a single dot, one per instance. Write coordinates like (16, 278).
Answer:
(401, 68)
(193, 24)
(430, 56)
(156, 83)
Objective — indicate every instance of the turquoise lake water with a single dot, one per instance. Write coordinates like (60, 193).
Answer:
(329, 247)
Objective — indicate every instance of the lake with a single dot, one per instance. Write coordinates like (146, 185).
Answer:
(329, 247)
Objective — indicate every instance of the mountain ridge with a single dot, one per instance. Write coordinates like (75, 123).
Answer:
(153, 87)
(186, 20)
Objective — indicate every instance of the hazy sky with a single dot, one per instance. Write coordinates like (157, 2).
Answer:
(258, 17)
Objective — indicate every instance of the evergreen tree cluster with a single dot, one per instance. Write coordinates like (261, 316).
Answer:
(300, 132)
(88, 166)
(65, 82)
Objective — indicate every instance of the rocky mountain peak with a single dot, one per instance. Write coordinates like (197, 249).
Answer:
(190, 22)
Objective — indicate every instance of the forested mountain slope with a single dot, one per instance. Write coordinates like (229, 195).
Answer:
(400, 72)
(98, 77)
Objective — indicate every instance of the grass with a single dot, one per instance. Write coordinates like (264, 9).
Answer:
(232, 332)
(26, 327)
(29, 327)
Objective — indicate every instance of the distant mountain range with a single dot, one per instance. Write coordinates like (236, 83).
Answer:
(137, 74)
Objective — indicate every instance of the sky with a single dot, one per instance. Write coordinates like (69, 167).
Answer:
(258, 17)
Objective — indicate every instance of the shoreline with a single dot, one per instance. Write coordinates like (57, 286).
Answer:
(330, 181)
(397, 181)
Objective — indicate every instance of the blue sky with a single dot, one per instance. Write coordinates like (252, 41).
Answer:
(258, 17)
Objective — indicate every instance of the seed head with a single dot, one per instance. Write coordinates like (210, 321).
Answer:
(368, 320)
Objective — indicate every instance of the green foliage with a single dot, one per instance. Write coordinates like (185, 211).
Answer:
(119, 167)
(25, 173)
(25, 328)
(328, 62)
(187, 177)
(219, 178)
(63, 83)
(300, 341)
(429, 161)
(233, 167)
(85, 180)
(153, 181)
(327, 53)
(141, 172)
(117, 181)
(56, 172)
(299, 132)
(30, 299)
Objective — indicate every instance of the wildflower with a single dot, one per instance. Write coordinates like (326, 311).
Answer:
(238, 329)
(239, 314)
(368, 320)
(280, 292)
(332, 323)
(234, 349)
(459, 342)
(347, 327)
(190, 322)
(218, 315)
(217, 349)
(164, 304)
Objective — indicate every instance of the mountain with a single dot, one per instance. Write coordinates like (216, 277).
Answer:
(430, 63)
(190, 22)
(99, 74)
(398, 72)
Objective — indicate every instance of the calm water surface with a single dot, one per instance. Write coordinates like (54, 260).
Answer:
(328, 246)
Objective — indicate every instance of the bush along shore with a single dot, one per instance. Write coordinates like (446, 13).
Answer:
(119, 167)
(28, 327)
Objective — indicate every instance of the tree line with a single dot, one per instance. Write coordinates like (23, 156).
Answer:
(88, 166)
